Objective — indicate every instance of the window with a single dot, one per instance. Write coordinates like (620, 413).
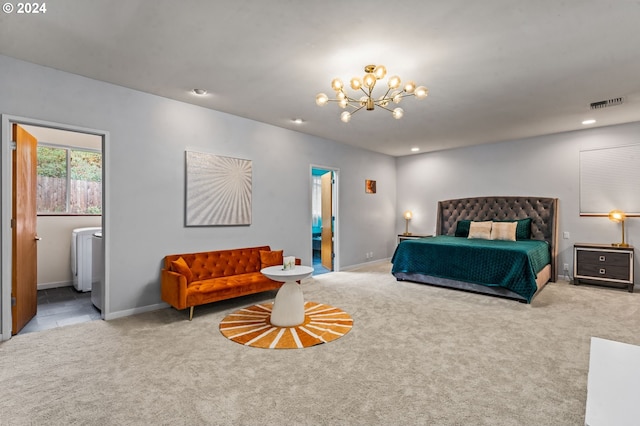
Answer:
(609, 179)
(69, 181)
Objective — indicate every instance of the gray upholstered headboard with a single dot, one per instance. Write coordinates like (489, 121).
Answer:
(542, 211)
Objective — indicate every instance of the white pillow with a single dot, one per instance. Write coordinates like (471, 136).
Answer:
(480, 230)
(504, 231)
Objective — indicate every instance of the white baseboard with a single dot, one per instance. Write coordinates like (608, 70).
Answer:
(45, 286)
(134, 311)
(360, 265)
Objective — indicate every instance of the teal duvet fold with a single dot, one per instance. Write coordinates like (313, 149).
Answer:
(510, 264)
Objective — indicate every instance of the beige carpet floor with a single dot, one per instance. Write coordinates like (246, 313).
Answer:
(417, 355)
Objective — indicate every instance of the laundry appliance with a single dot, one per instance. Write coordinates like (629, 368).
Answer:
(97, 270)
(81, 257)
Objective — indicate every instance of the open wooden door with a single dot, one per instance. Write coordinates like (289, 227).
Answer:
(326, 247)
(24, 278)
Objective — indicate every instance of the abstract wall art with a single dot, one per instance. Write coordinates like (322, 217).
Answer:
(218, 190)
(370, 186)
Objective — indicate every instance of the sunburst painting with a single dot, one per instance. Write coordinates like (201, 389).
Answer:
(218, 190)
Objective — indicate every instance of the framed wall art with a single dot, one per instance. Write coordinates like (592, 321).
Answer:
(370, 186)
(218, 190)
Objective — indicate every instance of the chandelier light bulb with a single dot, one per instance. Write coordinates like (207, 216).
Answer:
(369, 80)
(421, 92)
(321, 99)
(396, 96)
(343, 103)
(394, 82)
(398, 113)
(363, 100)
(356, 83)
(410, 87)
(383, 101)
(340, 95)
(345, 116)
(336, 84)
(380, 71)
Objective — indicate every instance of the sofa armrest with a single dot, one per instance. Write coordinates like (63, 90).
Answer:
(173, 288)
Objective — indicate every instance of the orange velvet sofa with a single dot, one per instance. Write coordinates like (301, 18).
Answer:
(192, 279)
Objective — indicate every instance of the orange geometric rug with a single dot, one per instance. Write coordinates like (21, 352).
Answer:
(251, 327)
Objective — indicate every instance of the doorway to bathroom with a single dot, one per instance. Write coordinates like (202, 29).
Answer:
(323, 219)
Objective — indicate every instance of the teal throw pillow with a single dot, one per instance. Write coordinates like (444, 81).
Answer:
(462, 228)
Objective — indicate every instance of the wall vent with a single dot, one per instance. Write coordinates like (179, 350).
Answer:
(607, 103)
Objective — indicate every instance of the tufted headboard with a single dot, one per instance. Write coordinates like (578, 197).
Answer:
(542, 211)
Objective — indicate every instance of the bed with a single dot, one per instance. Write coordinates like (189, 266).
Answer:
(515, 270)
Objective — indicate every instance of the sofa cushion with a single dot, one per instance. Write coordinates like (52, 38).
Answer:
(271, 258)
(180, 266)
(205, 291)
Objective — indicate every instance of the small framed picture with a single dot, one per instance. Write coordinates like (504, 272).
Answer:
(370, 186)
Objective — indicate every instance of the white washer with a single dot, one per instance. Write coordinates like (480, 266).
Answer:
(81, 257)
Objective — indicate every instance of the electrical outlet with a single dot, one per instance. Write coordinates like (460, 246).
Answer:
(565, 235)
(566, 266)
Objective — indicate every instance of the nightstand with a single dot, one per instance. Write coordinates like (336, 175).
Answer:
(402, 237)
(603, 264)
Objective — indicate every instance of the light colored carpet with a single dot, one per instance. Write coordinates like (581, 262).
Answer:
(417, 355)
(251, 326)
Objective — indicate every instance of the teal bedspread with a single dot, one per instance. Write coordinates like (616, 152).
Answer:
(510, 264)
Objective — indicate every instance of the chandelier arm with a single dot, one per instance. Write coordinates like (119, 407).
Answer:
(385, 108)
(357, 109)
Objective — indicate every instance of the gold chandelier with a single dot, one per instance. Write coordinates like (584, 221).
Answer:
(373, 73)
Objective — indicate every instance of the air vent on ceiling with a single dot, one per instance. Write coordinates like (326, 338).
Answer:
(607, 103)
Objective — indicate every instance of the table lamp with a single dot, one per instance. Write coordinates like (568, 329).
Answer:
(618, 216)
(407, 215)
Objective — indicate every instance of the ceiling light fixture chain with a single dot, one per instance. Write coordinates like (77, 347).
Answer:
(366, 84)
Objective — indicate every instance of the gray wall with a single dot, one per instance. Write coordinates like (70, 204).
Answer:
(543, 166)
(144, 166)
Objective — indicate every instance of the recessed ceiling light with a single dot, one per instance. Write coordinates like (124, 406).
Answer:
(590, 121)
(415, 149)
(298, 120)
(199, 92)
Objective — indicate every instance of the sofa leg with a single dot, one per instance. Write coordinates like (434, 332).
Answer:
(191, 313)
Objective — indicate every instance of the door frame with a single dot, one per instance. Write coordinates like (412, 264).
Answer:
(336, 225)
(6, 205)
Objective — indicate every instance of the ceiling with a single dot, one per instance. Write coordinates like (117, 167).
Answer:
(496, 69)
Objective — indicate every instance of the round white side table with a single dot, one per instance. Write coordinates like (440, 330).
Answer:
(288, 307)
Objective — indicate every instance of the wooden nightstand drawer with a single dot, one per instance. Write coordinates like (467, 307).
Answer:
(603, 258)
(604, 271)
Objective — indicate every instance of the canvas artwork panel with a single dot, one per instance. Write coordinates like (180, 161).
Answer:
(370, 186)
(218, 190)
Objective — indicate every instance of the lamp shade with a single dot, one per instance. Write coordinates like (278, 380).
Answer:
(617, 216)
(408, 214)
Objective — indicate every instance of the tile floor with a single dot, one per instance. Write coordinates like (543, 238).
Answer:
(61, 306)
(317, 265)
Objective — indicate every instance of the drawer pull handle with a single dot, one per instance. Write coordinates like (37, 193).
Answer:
(603, 271)
(603, 258)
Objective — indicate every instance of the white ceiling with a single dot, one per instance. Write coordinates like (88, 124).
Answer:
(496, 69)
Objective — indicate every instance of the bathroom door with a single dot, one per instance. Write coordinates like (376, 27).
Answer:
(326, 248)
(24, 278)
